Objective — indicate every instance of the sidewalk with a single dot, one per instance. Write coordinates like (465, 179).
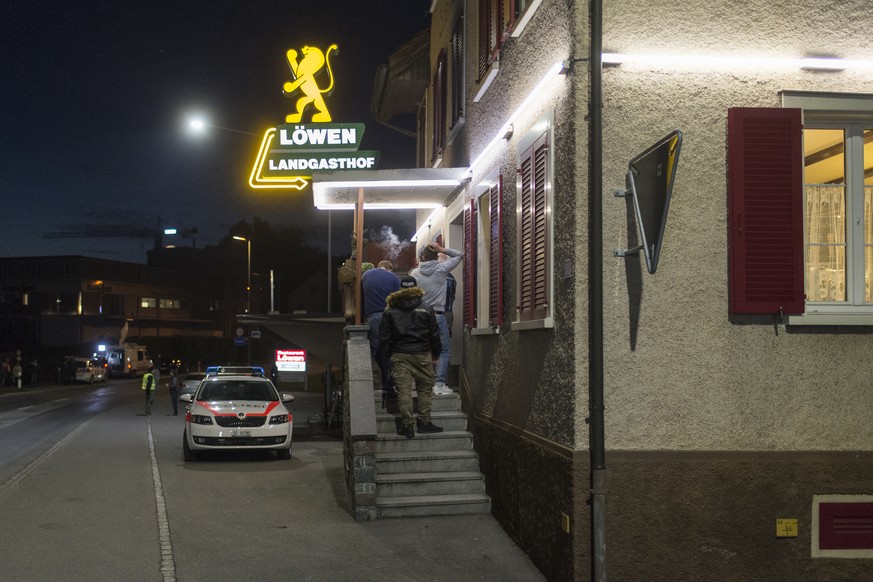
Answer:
(325, 540)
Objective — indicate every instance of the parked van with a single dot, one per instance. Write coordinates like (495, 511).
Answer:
(128, 360)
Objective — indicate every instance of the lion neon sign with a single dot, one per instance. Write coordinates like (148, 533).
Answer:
(304, 72)
(290, 152)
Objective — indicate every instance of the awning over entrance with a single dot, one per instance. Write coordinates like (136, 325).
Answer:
(387, 189)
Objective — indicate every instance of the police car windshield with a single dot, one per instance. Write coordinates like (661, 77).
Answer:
(237, 390)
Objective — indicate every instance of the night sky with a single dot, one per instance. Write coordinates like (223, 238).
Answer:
(95, 96)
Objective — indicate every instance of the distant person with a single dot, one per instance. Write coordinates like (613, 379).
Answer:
(34, 373)
(431, 275)
(17, 373)
(5, 373)
(156, 369)
(174, 390)
(148, 385)
(410, 337)
(377, 284)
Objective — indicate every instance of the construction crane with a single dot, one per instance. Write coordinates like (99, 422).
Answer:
(124, 231)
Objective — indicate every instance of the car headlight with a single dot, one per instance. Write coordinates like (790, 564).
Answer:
(201, 419)
(279, 419)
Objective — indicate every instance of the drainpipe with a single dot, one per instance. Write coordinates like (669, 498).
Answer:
(596, 440)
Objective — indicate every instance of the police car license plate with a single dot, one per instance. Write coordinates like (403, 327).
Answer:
(240, 433)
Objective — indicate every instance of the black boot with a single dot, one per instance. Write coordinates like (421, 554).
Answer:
(429, 427)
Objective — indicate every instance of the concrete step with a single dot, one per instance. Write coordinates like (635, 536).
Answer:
(441, 441)
(439, 403)
(427, 505)
(418, 484)
(451, 420)
(426, 461)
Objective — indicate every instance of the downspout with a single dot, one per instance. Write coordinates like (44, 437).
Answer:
(596, 439)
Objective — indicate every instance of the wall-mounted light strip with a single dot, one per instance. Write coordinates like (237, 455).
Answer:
(321, 192)
(425, 225)
(378, 205)
(750, 62)
(506, 129)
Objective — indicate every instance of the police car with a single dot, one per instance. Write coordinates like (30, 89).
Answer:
(237, 411)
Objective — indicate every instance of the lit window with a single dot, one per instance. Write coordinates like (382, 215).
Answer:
(800, 203)
(838, 199)
(485, 259)
(148, 303)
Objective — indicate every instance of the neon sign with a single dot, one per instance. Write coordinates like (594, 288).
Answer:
(290, 152)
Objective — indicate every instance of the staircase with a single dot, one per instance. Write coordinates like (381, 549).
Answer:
(431, 474)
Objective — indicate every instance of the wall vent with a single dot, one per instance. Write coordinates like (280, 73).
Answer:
(842, 526)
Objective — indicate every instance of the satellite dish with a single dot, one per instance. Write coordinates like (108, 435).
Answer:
(649, 182)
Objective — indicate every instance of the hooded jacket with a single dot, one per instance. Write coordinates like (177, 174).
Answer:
(408, 327)
(431, 276)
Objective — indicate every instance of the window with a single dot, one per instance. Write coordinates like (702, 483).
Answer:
(456, 71)
(421, 132)
(496, 18)
(534, 227)
(801, 209)
(838, 203)
(169, 304)
(439, 108)
(148, 303)
(470, 266)
(486, 259)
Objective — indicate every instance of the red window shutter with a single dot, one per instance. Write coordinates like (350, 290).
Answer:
(525, 237)
(845, 526)
(470, 265)
(540, 233)
(495, 270)
(533, 233)
(457, 72)
(484, 51)
(765, 211)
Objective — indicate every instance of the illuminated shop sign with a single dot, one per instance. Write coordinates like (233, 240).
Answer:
(289, 153)
(291, 360)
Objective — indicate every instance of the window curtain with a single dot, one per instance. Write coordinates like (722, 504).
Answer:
(826, 242)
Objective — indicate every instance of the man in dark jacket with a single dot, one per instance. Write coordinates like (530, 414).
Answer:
(410, 337)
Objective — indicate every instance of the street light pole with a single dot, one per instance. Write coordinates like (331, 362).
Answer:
(248, 242)
(248, 288)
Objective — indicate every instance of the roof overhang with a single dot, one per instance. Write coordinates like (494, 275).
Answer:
(387, 189)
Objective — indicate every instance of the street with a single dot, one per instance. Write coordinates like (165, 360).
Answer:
(92, 489)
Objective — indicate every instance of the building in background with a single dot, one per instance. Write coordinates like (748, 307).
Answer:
(72, 304)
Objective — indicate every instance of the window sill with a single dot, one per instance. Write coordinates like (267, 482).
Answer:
(455, 130)
(485, 331)
(546, 323)
(831, 319)
(487, 80)
(525, 18)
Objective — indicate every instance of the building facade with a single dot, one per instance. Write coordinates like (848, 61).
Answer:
(76, 303)
(738, 422)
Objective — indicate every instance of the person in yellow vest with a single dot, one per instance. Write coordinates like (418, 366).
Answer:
(149, 385)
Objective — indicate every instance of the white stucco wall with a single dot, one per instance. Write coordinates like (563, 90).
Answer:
(695, 381)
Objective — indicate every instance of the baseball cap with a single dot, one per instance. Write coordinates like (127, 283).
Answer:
(407, 281)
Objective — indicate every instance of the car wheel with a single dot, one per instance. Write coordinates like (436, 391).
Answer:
(283, 454)
(187, 453)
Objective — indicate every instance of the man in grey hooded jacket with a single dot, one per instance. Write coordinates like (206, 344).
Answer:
(431, 275)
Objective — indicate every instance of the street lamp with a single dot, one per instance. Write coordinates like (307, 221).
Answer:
(248, 242)
(199, 125)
